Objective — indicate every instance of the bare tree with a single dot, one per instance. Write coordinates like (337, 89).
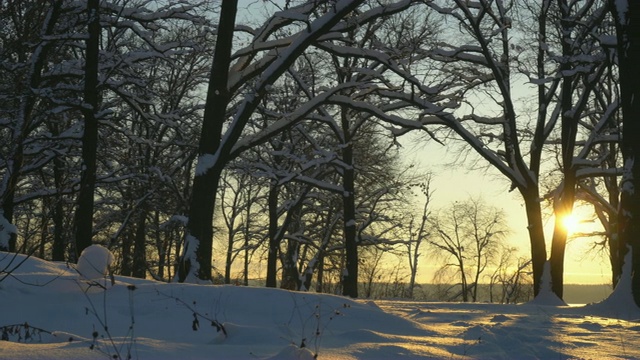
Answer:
(37, 24)
(584, 53)
(84, 211)
(65, 84)
(418, 233)
(235, 202)
(217, 145)
(195, 261)
(469, 232)
(511, 278)
(481, 58)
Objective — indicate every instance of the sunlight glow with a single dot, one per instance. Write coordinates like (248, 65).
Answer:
(570, 223)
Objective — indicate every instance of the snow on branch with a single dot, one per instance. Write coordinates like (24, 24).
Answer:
(591, 172)
(468, 53)
(368, 107)
(285, 59)
(498, 120)
(288, 120)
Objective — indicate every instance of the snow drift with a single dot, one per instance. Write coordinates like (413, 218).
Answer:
(48, 314)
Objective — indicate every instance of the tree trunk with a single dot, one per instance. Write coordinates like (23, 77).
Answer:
(84, 212)
(463, 278)
(195, 259)
(412, 279)
(274, 239)
(247, 239)
(320, 275)
(563, 207)
(139, 264)
(611, 183)
(563, 204)
(161, 246)
(245, 270)
(414, 256)
(476, 278)
(627, 19)
(44, 227)
(290, 274)
(229, 255)
(125, 266)
(8, 204)
(308, 273)
(536, 234)
(350, 274)
(58, 246)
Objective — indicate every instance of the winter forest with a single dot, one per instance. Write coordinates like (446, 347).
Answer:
(259, 142)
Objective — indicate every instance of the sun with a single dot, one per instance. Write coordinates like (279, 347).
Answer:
(570, 223)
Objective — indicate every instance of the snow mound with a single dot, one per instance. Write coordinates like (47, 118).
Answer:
(620, 304)
(546, 296)
(94, 262)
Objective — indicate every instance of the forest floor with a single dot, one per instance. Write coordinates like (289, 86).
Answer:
(48, 312)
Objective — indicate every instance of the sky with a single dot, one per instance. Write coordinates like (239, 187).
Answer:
(455, 182)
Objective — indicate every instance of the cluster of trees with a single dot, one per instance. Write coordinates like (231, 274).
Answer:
(164, 125)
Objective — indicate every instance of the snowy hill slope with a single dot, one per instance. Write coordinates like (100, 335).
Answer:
(145, 319)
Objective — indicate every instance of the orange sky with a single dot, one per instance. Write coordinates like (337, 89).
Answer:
(452, 183)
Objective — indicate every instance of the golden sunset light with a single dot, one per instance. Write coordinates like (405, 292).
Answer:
(306, 179)
(571, 223)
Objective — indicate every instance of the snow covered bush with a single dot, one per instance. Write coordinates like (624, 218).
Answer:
(94, 262)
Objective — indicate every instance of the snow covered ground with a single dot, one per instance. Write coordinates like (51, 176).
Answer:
(48, 312)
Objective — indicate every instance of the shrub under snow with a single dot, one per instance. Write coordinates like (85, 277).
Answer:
(94, 262)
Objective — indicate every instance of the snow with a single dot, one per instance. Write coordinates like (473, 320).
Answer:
(293, 15)
(205, 162)
(145, 319)
(546, 296)
(189, 247)
(94, 262)
(6, 231)
(622, 9)
(608, 40)
(621, 303)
